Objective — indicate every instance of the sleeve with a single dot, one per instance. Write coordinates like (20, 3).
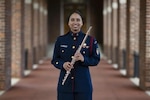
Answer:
(56, 60)
(94, 58)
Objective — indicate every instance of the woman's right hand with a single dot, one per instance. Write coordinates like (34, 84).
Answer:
(67, 66)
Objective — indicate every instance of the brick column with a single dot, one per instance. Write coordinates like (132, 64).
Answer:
(122, 34)
(105, 28)
(128, 38)
(35, 30)
(17, 68)
(5, 44)
(38, 37)
(114, 31)
(109, 36)
(107, 13)
(45, 42)
(118, 33)
(133, 38)
(145, 44)
(28, 32)
(41, 29)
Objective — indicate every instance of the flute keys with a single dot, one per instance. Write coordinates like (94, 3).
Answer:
(72, 57)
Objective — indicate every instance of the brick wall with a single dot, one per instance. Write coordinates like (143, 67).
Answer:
(5, 44)
(45, 20)
(39, 29)
(114, 31)
(122, 34)
(42, 30)
(35, 30)
(109, 34)
(133, 37)
(105, 28)
(28, 32)
(18, 33)
(145, 44)
(108, 29)
(17, 68)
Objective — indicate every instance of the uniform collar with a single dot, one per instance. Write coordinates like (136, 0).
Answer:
(76, 34)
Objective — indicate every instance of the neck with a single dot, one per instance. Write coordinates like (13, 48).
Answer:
(75, 31)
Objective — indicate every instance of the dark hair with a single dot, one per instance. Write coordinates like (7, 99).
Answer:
(76, 11)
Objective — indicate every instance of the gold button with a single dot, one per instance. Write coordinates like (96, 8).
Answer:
(57, 63)
(62, 51)
(72, 77)
(73, 47)
(84, 44)
(74, 38)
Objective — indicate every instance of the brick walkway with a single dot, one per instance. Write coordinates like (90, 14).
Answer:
(108, 84)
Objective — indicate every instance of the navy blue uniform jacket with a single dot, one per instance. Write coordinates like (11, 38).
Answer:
(79, 80)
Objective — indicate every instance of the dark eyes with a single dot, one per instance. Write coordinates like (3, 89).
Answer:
(75, 19)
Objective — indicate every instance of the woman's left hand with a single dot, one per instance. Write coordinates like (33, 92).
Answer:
(79, 57)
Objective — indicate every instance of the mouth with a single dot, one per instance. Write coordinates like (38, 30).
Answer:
(75, 28)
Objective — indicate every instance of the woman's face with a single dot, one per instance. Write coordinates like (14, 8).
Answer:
(75, 23)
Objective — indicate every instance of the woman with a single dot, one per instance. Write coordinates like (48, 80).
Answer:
(78, 85)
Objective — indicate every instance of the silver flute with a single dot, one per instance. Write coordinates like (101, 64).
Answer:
(74, 59)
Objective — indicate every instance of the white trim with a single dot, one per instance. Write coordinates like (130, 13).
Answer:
(35, 66)
(14, 81)
(27, 72)
(123, 72)
(2, 92)
(135, 81)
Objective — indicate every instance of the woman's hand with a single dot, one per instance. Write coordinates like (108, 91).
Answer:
(79, 57)
(67, 66)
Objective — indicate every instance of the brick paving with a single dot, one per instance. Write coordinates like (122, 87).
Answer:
(108, 84)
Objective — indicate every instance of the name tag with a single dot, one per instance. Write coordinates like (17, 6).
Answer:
(64, 46)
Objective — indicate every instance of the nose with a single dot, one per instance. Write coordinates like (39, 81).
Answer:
(76, 22)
